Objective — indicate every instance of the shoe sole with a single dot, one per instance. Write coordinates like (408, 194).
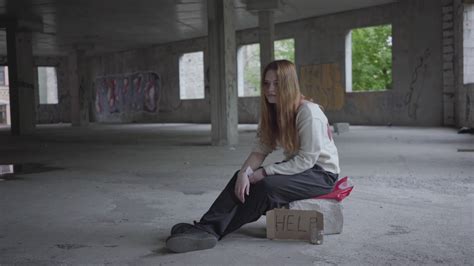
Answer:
(188, 242)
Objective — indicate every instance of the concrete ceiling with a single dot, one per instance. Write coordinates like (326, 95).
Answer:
(115, 25)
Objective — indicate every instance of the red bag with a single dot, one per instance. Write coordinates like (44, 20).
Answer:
(342, 189)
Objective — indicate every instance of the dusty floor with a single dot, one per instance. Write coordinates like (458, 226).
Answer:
(108, 194)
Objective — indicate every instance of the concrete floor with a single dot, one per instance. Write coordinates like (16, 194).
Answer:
(118, 189)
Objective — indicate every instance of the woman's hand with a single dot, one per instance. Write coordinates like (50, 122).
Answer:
(242, 186)
(257, 176)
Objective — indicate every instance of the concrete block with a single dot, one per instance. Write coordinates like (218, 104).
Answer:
(331, 210)
(447, 65)
(341, 127)
(448, 81)
(448, 112)
(447, 25)
(448, 33)
(448, 98)
(448, 17)
(448, 49)
(448, 88)
(448, 57)
(447, 9)
(447, 41)
(448, 74)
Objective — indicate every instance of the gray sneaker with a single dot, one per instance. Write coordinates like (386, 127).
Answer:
(181, 228)
(191, 239)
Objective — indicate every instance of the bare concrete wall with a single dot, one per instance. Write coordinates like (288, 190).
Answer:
(415, 99)
(51, 113)
(164, 61)
(416, 94)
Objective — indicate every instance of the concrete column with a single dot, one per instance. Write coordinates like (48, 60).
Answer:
(21, 78)
(80, 100)
(266, 36)
(222, 77)
(266, 27)
(448, 65)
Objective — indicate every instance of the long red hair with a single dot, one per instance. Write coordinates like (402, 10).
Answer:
(278, 121)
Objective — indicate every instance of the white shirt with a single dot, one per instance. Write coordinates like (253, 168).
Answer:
(316, 144)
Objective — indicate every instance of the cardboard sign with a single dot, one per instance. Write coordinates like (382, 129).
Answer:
(293, 224)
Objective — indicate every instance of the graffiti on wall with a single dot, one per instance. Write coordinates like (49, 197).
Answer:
(138, 92)
(323, 84)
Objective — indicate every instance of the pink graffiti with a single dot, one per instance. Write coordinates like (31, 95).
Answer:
(150, 103)
(138, 82)
(98, 106)
(126, 86)
(136, 92)
(112, 93)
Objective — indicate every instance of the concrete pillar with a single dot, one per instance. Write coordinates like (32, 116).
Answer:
(266, 27)
(266, 36)
(21, 78)
(448, 65)
(80, 96)
(222, 77)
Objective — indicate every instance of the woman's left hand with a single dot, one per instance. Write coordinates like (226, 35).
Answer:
(242, 187)
(257, 176)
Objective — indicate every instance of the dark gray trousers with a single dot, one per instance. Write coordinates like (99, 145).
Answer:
(228, 214)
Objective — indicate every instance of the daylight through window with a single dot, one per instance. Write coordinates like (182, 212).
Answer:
(48, 85)
(369, 59)
(248, 65)
(191, 76)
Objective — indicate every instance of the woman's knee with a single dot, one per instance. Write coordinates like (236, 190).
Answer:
(267, 185)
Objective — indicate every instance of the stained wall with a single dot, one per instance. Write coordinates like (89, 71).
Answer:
(417, 96)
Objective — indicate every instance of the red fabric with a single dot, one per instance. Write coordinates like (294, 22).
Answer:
(342, 189)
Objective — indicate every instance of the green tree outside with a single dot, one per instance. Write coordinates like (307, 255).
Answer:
(284, 49)
(372, 58)
(252, 70)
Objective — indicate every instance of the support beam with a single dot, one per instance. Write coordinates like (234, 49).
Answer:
(266, 36)
(21, 78)
(222, 66)
(266, 27)
(80, 93)
(449, 90)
